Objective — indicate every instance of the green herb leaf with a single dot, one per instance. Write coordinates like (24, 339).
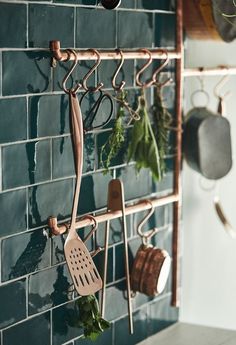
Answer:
(143, 147)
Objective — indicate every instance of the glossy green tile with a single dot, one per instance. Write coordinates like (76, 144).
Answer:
(24, 254)
(30, 72)
(115, 232)
(63, 156)
(51, 199)
(142, 30)
(166, 184)
(136, 185)
(16, 202)
(104, 339)
(13, 120)
(100, 28)
(63, 324)
(116, 304)
(94, 187)
(99, 263)
(34, 331)
(24, 164)
(161, 315)
(13, 303)
(140, 329)
(128, 4)
(48, 115)
(108, 68)
(154, 4)
(49, 288)
(13, 16)
(49, 26)
(165, 30)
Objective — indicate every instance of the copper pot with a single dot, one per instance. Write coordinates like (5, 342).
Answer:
(151, 266)
(150, 270)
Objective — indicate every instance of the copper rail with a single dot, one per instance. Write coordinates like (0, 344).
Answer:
(210, 71)
(63, 55)
(140, 206)
(178, 158)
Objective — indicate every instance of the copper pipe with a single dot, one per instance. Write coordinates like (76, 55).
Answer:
(178, 157)
(62, 55)
(104, 217)
(211, 71)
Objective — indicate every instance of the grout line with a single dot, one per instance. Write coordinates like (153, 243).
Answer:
(27, 296)
(75, 26)
(51, 332)
(51, 158)
(27, 25)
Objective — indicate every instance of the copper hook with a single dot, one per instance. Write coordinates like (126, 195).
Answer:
(78, 86)
(93, 69)
(148, 63)
(220, 85)
(143, 221)
(159, 69)
(91, 232)
(122, 84)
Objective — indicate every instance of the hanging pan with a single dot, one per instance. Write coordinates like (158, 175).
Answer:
(207, 142)
(151, 266)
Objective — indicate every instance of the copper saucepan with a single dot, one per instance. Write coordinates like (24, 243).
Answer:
(151, 266)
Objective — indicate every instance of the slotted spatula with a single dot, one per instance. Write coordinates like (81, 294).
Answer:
(84, 273)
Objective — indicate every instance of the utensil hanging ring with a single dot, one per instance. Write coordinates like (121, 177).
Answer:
(198, 92)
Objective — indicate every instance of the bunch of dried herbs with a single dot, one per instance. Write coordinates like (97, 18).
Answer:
(161, 126)
(116, 139)
(143, 146)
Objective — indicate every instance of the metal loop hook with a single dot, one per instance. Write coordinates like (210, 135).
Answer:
(93, 69)
(219, 86)
(159, 69)
(92, 231)
(147, 64)
(150, 233)
(78, 86)
(122, 84)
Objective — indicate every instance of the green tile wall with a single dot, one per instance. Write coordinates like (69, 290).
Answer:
(37, 177)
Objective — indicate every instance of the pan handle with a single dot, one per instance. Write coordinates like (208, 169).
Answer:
(220, 212)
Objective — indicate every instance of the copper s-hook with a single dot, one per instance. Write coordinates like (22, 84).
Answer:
(147, 64)
(159, 69)
(221, 104)
(93, 69)
(122, 84)
(78, 86)
(149, 234)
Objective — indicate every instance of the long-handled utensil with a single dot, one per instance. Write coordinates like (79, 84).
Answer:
(82, 269)
(116, 202)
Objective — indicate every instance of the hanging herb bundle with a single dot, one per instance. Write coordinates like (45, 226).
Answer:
(162, 121)
(115, 141)
(90, 318)
(143, 146)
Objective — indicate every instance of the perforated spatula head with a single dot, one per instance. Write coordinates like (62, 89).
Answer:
(84, 273)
